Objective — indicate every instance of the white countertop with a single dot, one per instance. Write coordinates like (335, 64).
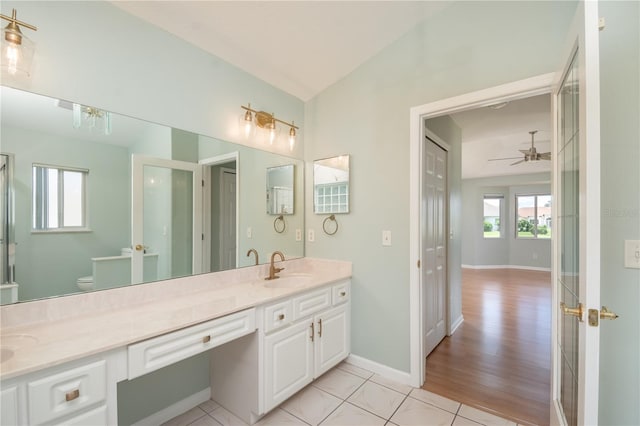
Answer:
(110, 319)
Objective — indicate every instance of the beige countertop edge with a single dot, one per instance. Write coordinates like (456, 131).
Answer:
(78, 337)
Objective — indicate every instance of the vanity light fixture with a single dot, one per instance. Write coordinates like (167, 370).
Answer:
(267, 121)
(17, 49)
(91, 118)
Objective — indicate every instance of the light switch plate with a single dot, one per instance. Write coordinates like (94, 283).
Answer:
(249, 232)
(632, 254)
(386, 238)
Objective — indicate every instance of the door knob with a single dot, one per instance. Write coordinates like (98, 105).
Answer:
(576, 312)
(139, 247)
(607, 314)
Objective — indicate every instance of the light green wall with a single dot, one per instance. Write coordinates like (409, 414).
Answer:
(507, 250)
(620, 156)
(468, 46)
(42, 268)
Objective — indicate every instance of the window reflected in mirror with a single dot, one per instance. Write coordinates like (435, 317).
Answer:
(331, 185)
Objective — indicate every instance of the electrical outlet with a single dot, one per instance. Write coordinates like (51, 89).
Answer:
(632, 254)
(311, 235)
(298, 235)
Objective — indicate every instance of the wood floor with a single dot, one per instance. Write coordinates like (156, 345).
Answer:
(499, 358)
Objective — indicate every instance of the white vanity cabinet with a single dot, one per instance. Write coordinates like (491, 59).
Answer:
(317, 339)
(81, 392)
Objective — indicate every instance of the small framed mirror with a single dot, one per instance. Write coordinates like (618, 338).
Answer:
(280, 199)
(331, 185)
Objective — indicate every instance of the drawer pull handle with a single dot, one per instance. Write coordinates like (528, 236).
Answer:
(206, 339)
(313, 331)
(343, 293)
(280, 317)
(320, 327)
(70, 396)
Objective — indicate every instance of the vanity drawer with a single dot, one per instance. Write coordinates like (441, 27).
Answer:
(158, 352)
(67, 392)
(278, 315)
(310, 303)
(341, 292)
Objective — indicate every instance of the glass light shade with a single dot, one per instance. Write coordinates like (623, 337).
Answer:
(17, 52)
(246, 125)
(292, 138)
(92, 118)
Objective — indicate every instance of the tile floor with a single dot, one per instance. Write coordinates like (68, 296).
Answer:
(351, 396)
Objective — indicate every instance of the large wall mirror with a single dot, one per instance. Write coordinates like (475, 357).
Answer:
(331, 185)
(92, 200)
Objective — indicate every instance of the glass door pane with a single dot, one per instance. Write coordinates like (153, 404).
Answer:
(568, 218)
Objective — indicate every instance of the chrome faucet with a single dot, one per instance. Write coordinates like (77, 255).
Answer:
(254, 252)
(272, 269)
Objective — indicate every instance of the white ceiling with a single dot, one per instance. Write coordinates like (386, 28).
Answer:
(301, 47)
(500, 133)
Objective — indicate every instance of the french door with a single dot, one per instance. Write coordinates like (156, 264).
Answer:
(576, 263)
(166, 225)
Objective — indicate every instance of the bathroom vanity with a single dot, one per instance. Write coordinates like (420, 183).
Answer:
(267, 340)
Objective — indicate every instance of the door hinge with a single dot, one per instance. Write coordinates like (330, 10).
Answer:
(203, 183)
(202, 237)
(418, 263)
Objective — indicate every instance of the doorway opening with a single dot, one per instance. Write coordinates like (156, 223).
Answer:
(455, 278)
(220, 213)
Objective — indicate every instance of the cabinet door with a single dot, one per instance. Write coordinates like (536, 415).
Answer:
(332, 342)
(288, 362)
(9, 406)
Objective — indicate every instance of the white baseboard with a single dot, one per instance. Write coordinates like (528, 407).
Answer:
(457, 323)
(383, 370)
(175, 409)
(528, 268)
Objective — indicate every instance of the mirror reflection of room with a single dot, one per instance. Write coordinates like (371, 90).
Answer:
(75, 205)
(280, 194)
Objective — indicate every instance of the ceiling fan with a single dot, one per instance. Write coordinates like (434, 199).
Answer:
(529, 155)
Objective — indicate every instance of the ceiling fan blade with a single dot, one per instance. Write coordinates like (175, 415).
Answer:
(545, 156)
(506, 158)
(517, 162)
(525, 151)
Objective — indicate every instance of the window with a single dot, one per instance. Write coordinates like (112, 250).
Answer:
(492, 214)
(59, 198)
(533, 218)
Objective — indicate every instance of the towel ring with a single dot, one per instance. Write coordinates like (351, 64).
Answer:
(324, 224)
(279, 228)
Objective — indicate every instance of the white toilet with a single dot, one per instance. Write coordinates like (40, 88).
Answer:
(85, 283)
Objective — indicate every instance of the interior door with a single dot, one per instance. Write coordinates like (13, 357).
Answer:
(434, 244)
(228, 219)
(576, 266)
(166, 226)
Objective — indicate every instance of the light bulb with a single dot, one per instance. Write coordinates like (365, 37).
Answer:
(272, 135)
(292, 138)
(12, 59)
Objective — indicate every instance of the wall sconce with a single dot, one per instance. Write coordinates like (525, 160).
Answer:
(264, 120)
(17, 49)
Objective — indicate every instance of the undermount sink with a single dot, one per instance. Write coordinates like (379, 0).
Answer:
(11, 342)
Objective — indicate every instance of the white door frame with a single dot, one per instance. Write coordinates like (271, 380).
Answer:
(206, 216)
(533, 86)
(137, 210)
